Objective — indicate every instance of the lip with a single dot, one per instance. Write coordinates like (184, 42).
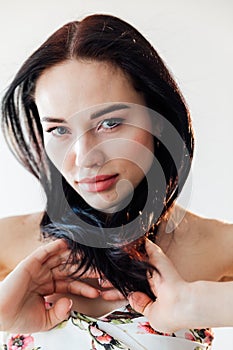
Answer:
(98, 183)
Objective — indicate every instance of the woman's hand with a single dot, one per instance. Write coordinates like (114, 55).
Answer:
(22, 302)
(169, 312)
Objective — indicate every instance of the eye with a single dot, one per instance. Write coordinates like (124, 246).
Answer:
(110, 123)
(59, 131)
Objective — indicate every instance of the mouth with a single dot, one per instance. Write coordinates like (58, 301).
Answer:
(98, 183)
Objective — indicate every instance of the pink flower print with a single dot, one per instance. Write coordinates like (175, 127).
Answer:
(21, 342)
(104, 339)
(100, 336)
(146, 327)
(209, 336)
(189, 336)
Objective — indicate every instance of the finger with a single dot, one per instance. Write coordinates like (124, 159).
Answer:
(163, 264)
(57, 261)
(67, 269)
(140, 302)
(154, 281)
(58, 313)
(153, 252)
(105, 283)
(112, 295)
(35, 263)
(157, 257)
(44, 252)
(76, 288)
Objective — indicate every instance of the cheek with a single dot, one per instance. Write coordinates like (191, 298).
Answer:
(68, 164)
(145, 139)
(136, 152)
(60, 156)
(128, 144)
(144, 150)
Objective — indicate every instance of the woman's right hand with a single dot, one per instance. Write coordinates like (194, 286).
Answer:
(22, 292)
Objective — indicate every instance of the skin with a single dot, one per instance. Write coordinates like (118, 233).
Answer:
(185, 304)
(86, 295)
(191, 245)
(116, 143)
(180, 294)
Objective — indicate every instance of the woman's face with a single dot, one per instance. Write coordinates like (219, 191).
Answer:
(96, 130)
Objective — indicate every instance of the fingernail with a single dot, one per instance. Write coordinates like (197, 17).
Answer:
(71, 304)
(101, 281)
(48, 305)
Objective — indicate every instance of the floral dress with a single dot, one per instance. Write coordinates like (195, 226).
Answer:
(120, 329)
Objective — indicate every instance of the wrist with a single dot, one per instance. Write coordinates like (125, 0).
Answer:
(196, 305)
(185, 311)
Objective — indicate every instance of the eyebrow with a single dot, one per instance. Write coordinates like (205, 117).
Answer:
(53, 120)
(109, 109)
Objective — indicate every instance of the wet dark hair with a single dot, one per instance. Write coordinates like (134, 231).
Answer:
(102, 38)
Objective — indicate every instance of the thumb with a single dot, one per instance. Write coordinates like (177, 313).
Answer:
(59, 312)
(139, 302)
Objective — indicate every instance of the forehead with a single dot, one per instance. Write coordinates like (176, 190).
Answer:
(76, 85)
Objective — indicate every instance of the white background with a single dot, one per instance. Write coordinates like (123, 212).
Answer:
(194, 37)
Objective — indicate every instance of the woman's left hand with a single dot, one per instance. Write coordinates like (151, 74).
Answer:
(169, 312)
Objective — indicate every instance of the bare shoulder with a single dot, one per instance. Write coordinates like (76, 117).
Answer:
(212, 237)
(184, 222)
(200, 248)
(221, 233)
(14, 227)
(218, 236)
(19, 236)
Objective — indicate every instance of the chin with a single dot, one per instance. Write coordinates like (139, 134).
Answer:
(109, 209)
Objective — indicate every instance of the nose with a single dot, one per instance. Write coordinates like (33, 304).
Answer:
(87, 152)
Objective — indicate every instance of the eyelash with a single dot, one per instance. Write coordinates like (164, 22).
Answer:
(55, 128)
(115, 121)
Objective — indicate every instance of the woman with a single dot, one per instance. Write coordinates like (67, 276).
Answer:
(95, 115)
